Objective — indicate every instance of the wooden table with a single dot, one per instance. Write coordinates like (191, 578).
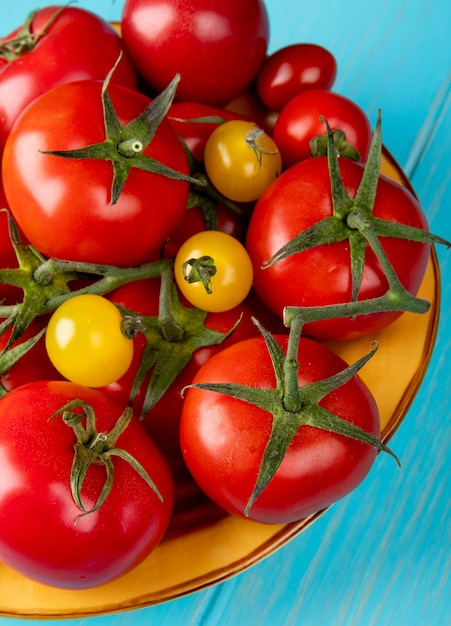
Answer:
(382, 555)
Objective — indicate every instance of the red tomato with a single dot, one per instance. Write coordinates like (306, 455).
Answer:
(79, 551)
(292, 70)
(8, 259)
(194, 222)
(50, 194)
(34, 365)
(299, 121)
(223, 438)
(162, 421)
(195, 134)
(216, 47)
(320, 276)
(68, 51)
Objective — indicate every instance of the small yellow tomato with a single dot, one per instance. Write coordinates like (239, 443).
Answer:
(241, 160)
(85, 342)
(213, 271)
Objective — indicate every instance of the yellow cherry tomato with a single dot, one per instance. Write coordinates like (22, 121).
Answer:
(241, 160)
(85, 342)
(213, 271)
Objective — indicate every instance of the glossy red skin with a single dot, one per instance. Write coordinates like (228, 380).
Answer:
(89, 227)
(41, 533)
(69, 51)
(216, 47)
(292, 70)
(162, 422)
(193, 222)
(8, 259)
(34, 365)
(321, 276)
(195, 134)
(299, 121)
(223, 438)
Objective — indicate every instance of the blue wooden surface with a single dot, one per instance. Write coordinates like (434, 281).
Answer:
(382, 555)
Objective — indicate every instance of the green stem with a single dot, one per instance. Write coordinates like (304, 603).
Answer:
(170, 329)
(291, 395)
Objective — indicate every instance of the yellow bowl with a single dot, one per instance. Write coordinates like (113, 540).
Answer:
(198, 556)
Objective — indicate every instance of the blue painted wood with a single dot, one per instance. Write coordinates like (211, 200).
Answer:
(382, 555)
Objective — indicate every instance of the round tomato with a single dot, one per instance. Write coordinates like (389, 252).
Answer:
(321, 275)
(292, 70)
(163, 419)
(68, 50)
(49, 194)
(216, 47)
(43, 532)
(223, 438)
(213, 271)
(300, 120)
(8, 260)
(85, 342)
(241, 160)
(194, 221)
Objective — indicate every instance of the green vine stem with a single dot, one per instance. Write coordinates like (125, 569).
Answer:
(352, 220)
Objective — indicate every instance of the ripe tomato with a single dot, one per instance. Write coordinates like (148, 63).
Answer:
(223, 438)
(299, 121)
(163, 420)
(320, 276)
(85, 342)
(68, 50)
(241, 160)
(194, 222)
(292, 70)
(8, 260)
(216, 286)
(216, 47)
(79, 551)
(50, 194)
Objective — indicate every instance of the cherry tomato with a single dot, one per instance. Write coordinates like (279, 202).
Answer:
(213, 287)
(216, 47)
(292, 70)
(85, 342)
(68, 51)
(223, 438)
(50, 194)
(43, 533)
(300, 120)
(320, 276)
(241, 160)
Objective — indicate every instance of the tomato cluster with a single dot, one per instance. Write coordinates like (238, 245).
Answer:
(185, 218)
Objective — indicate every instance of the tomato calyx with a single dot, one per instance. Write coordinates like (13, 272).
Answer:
(46, 284)
(200, 270)
(319, 146)
(171, 339)
(293, 406)
(97, 448)
(124, 144)
(25, 40)
(352, 220)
